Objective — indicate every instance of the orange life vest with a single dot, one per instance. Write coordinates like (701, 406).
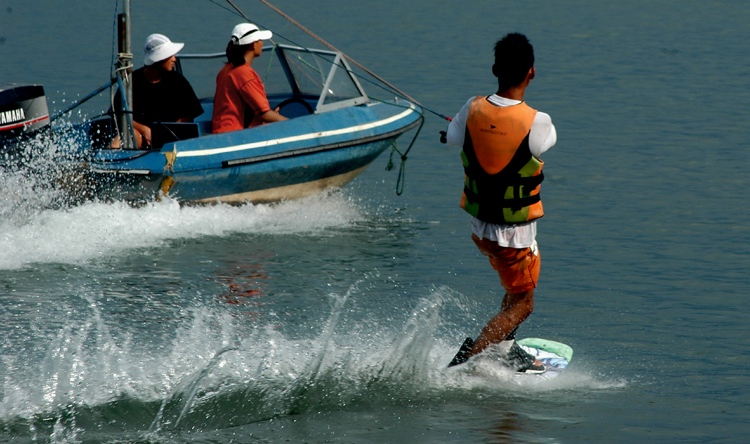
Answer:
(502, 178)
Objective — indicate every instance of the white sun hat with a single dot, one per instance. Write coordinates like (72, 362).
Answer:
(247, 33)
(158, 47)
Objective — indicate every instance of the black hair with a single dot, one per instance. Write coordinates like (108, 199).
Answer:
(236, 53)
(514, 57)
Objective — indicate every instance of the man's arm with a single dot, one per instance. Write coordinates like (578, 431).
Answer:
(272, 116)
(457, 127)
(542, 135)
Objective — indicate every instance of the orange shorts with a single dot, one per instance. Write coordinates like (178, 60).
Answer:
(518, 267)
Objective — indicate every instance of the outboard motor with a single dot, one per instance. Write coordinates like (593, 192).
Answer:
(23, 112)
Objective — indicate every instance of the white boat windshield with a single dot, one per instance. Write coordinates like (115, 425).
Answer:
(322, 78)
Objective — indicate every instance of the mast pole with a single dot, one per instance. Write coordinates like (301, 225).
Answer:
(124, 69)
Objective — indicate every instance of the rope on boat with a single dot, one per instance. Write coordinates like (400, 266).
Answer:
(401, 181)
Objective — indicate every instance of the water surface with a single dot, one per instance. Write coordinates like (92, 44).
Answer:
(331, 319)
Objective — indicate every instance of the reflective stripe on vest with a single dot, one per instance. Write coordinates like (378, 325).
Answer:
(502, 178)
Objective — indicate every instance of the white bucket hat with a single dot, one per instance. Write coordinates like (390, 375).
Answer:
(247, 33)
(158, 47)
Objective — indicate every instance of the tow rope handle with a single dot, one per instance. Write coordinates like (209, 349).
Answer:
(444, 134)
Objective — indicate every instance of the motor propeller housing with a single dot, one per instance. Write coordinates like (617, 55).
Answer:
(23, 111)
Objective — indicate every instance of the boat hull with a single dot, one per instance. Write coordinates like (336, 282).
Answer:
(280, 161)
(287, 192)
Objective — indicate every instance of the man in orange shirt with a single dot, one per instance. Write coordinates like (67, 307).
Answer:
(240, 100)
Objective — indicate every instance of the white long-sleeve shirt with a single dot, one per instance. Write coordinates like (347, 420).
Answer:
(542, 137)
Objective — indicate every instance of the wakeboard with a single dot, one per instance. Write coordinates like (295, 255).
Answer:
(554, 355)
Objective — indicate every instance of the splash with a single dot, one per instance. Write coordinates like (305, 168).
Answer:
(218, 371)
(30, 175)
(94, 230)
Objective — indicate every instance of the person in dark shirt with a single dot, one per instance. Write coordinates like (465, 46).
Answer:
(160, 94)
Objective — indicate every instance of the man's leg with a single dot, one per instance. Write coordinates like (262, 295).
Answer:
(514, 310)
(518, 270)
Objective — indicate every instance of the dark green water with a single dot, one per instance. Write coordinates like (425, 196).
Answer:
(331, 320)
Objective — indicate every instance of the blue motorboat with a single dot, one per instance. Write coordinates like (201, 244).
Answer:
(335, 130)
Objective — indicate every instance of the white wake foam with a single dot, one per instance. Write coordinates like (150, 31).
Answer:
(96, 230)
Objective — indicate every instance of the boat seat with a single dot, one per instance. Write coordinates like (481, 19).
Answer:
(291, 107)
(163, 133)
(101, 132)
(204, 127)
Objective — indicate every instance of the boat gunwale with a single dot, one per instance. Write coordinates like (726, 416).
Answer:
(315, 134)
(319, 148)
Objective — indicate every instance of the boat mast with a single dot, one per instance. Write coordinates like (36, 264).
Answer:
(124, 69)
